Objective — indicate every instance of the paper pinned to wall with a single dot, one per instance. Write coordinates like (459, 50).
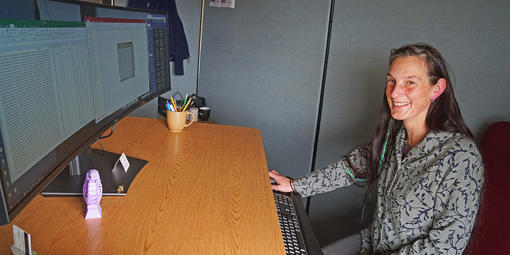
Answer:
(222, 3)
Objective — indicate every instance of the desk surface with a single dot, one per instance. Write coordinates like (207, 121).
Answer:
(204, 191)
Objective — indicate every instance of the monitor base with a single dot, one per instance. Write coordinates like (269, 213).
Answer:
(67, 184)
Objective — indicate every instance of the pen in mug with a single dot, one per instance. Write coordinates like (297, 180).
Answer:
(170, 107)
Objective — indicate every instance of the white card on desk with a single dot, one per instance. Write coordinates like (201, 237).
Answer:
(21, 240)
(124, 162)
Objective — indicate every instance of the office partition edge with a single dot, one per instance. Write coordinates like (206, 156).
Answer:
(321, 95)
(200, 46)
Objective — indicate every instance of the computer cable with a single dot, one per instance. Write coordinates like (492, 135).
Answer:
(96, 151)
(108, 135)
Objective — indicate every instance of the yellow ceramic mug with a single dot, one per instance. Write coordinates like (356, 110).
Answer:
(176, 121)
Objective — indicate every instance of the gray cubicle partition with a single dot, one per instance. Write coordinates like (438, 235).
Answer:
(474, 37)
(262, 67)
(20, 9)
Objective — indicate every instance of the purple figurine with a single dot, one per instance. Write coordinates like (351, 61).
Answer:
(92, 192)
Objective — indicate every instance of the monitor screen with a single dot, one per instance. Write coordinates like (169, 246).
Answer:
(65, 81)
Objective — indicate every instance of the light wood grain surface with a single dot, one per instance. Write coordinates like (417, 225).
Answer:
(204, 191)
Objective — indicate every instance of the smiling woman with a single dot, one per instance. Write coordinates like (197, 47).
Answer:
(428, 101)
(409, 93)
(428, 170)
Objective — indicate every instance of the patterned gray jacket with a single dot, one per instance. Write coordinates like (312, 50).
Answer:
(427, 201)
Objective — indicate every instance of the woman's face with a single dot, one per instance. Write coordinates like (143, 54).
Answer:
(408, 90)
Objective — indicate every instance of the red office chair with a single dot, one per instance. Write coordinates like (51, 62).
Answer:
(491, 234)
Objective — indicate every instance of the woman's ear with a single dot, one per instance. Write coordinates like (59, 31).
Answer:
(439, 88)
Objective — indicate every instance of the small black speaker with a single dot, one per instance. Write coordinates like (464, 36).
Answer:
(162, 106)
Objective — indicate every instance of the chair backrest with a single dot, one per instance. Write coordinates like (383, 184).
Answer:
(491, 234)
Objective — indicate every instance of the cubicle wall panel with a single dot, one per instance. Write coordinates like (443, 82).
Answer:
(473, 36)
(21, 9)
(262, 67)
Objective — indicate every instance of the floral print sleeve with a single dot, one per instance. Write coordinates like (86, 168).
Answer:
(334, 175)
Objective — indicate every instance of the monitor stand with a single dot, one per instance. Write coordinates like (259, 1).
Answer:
(70, 181)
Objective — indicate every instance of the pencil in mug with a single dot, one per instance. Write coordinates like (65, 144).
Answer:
(186, 106)
(173, 103)
(185, 99)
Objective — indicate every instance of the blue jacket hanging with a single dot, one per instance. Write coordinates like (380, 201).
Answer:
(177, 39)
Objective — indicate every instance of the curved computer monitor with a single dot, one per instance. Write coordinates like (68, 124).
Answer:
(67, 78)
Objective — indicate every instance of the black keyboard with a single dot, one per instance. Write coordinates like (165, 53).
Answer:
(289, 224)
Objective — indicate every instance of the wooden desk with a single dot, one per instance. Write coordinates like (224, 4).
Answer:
(204, 191)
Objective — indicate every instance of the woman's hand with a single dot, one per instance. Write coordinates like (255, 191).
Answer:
(283, 183)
